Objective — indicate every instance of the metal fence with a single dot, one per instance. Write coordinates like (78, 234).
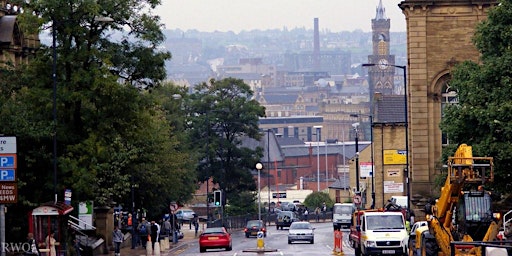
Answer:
(239, 222)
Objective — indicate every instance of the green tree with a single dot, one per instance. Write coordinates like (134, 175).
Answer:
(111, 133)
(316, 199)
(483, 116)
(222, 116)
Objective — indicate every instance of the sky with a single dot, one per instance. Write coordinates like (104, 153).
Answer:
(238, 15)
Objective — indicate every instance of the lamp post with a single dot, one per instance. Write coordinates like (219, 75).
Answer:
(318, 127)
(371, 153)
(406, 124)
(259, 166)
(54, 81)
(268, 174)
(356, 129)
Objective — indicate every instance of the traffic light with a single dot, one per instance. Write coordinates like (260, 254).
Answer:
(217, 197)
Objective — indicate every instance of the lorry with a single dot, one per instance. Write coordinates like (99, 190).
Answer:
(342, 215)
(463, 211)
(379, 232)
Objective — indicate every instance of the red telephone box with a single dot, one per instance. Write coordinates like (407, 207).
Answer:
(51, 216)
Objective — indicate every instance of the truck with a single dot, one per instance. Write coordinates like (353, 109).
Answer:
(342, 215)
(463, 211)
(379, 232)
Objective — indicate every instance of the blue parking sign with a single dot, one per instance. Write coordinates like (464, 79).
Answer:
(7, 175)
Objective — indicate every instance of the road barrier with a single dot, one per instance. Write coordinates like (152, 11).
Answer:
(338, 243)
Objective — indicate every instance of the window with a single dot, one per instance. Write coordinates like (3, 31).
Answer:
(448, 97)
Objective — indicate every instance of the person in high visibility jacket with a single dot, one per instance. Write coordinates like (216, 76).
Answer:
(408, 226)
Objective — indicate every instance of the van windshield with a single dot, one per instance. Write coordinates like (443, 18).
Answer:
(343, 209)
(377, 222)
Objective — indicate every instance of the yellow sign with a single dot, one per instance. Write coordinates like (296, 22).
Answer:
(393, 156)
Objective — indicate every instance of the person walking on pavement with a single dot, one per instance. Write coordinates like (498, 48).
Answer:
(306, 214)
(143, 229)
(324, 210)
(117, 239)
(51, 243)
(317, 214)
(196, 224)
(33, 250)
(155, 229)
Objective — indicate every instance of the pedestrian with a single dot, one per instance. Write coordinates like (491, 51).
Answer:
(306, 214)
(317, 214)
(196, 224)
(50, 243)
(117, 239)
(143, 229)
(33, 249)
(154, 234)
(324, 210)
(77, 247)
(167, 227)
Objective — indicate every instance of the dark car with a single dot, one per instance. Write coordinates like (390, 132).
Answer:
(253, 227)
(285, 219)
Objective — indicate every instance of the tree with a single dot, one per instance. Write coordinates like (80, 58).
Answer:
(112, 134)
(221, 116)
(483, 116)
(316, 199)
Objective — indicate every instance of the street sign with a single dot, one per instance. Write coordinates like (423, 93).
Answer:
(7, 175)
(8, 161)
(357, 199)
(8, 193)
(8, 145)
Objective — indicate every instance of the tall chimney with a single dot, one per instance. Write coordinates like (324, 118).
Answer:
(316, 47)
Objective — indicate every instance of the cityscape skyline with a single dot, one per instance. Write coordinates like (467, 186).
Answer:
(228, 15)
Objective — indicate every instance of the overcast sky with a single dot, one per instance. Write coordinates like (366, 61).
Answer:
(237, 15)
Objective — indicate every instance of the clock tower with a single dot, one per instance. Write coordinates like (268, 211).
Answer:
(381, 76)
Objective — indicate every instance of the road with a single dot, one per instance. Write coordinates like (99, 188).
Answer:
(277, 239)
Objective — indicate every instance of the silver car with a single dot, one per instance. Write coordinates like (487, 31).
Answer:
(185, 215)
(301, 231)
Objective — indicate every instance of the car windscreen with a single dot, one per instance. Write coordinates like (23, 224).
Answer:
(213, 231)
(253, 223)
(376, 222)
(300, 226)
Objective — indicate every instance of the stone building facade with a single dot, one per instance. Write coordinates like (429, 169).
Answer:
(438, 36)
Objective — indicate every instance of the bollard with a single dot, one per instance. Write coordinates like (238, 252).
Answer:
(260, 244)
(338, 241)
(149, 250)
(157, 249)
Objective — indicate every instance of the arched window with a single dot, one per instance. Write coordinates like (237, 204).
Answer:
(448, 97)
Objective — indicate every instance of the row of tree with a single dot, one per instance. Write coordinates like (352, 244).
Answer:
(119, 128)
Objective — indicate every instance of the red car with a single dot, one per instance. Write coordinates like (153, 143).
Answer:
(213, 238)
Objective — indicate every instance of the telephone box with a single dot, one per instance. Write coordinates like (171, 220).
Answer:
(51, 216)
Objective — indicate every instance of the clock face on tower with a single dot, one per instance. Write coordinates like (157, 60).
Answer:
(383, 64)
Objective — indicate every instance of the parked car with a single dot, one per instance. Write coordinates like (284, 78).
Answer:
(253, 227)
(412, 235)
(287, 206)
(301, 231)
(213, 238)
(185, 215)
(285, 219)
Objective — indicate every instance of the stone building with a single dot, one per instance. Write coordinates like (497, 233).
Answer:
(438, 36)
(16, 47)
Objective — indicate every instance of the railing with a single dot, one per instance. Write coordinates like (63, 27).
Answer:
(78, 223)
(505, 221)
(501, 247)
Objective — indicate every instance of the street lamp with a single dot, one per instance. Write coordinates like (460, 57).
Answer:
(406, 124)
(318, 127)
(371, 140)
(259, 166)
(54, 80)
(356, 126)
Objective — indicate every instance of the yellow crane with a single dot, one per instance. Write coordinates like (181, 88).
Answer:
(463, 211)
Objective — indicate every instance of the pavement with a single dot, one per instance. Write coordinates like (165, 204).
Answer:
(188, 237)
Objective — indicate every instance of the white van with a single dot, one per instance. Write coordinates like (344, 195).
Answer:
(400, 200)
(383, 233)
(342, 215)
